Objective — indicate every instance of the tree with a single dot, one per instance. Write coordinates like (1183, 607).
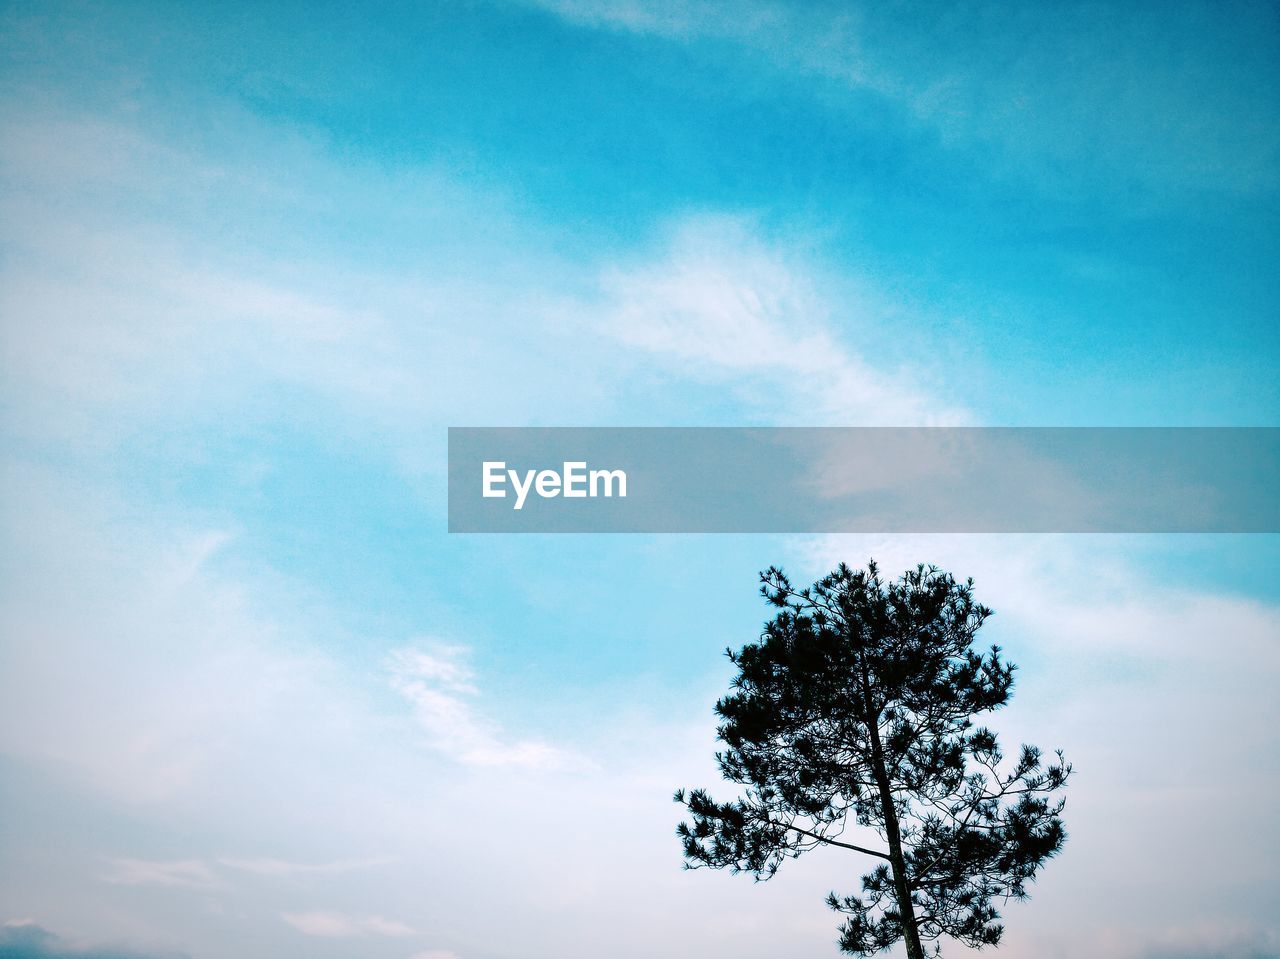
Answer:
(856, 707)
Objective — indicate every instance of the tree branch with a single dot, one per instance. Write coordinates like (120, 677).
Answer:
(836, 842)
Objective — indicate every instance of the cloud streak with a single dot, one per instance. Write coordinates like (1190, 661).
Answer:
(438, 682)
(332, 925)
(188, 873)
(719, 302)
(284, 869)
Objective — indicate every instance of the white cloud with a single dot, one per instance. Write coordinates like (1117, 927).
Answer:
(199, 873)
(336, 925)
(437, 679)
(125, 318)
(285, 869)
(129, 324)
(83, 687)
(149, 872)
(720, 302)
(1073, 594)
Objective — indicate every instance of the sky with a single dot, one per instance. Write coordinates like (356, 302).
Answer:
(255, 700)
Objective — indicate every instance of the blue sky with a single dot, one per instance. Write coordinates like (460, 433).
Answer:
(254, 700)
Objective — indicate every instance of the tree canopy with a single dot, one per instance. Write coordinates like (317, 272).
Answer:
(851, 724)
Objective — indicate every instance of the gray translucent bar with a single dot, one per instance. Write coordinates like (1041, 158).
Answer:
(866, 479)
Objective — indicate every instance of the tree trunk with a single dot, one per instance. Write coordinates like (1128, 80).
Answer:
(901, 884)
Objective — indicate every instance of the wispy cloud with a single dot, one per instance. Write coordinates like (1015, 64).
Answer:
(92, 684)
(437, 679)
(204, 874)
(283, 868)
(150, 872)
(718, 301)
(336, 925)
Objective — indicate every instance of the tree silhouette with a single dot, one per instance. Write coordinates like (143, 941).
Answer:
(856, 707)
